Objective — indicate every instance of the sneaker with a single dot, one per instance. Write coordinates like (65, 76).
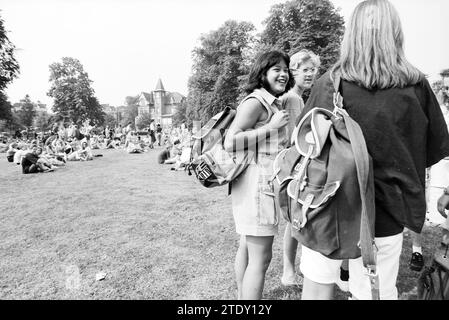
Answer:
(416, 262)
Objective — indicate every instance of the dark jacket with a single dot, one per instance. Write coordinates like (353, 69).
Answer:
(405, 133)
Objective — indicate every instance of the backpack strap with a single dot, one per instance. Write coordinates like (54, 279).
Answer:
(367, 244)
(270, 114)
(365, 178)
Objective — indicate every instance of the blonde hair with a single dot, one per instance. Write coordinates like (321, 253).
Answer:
(302, 56)
(371, 53)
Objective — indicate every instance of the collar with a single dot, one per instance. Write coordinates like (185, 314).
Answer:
(268, 97)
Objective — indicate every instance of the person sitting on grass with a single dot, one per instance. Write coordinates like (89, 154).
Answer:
(176, 152)
(31, 162)
(12, 149)
(21, 152)
(94, 142)
(84, 153)
(101, 140)
(4, 145)
(113, 144)
(141, 143)
(52, 160)
(132, 145)
(164, 155)
(59, 149)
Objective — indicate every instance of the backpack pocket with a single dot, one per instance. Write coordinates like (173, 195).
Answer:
(267, 214)
(319, 229)
(318, 194)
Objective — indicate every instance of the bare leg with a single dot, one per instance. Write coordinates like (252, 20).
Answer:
(317, 291)
(289, 256)
(259, 258)
(241, 262)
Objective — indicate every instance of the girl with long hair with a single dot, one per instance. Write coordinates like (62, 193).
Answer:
(405, 133)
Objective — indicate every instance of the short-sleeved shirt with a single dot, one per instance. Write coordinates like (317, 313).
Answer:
(405, 133)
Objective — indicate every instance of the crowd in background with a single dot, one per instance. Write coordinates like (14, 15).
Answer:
(46, 151)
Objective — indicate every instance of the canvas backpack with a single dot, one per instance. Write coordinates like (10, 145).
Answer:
(212, 164)
(324, 184)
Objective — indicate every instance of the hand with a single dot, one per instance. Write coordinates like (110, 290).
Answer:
(279, 120)
(443, 203)
(445, 237)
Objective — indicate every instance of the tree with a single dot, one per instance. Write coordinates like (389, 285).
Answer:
(94, 112)
(110, 120)
(143, 121)
(219, 66)
(41, 121)
(27, 111)
(131, 110)
(180, 116)
(9, 68)
(5, 108)
(72, 92)
(304, 24)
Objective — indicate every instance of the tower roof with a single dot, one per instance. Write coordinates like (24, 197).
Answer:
(159, 86)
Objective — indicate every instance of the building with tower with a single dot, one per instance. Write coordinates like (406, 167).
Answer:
(160, 104)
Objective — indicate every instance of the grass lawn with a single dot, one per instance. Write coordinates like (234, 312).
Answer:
(155, 233)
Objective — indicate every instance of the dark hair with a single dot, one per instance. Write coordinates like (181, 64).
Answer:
(257, 76)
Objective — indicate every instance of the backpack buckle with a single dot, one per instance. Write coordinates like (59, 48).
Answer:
(371, 272)
(338, 105)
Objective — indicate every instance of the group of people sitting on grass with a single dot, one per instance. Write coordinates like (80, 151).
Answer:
(178, 147)
(44, 156)
(71, 142)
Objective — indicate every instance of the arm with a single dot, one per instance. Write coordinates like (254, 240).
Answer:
(443, 203)
(241, 129)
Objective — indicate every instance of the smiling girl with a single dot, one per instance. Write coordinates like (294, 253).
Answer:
(260, 125)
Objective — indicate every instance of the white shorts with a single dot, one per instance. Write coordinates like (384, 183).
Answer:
(320, 269)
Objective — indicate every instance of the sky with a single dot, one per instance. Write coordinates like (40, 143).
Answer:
(125, 46)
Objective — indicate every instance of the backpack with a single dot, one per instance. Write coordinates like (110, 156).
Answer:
(433, 284)
(324, 184)
(212, 164)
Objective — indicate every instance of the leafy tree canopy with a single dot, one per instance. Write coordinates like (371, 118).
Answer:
(304, 24)
(131, 110)
(72, 92)
(5, 108)
(27, 111)
(143, 121)
(42, 121)
(219, 63)
(180, 115)
(9, 67)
